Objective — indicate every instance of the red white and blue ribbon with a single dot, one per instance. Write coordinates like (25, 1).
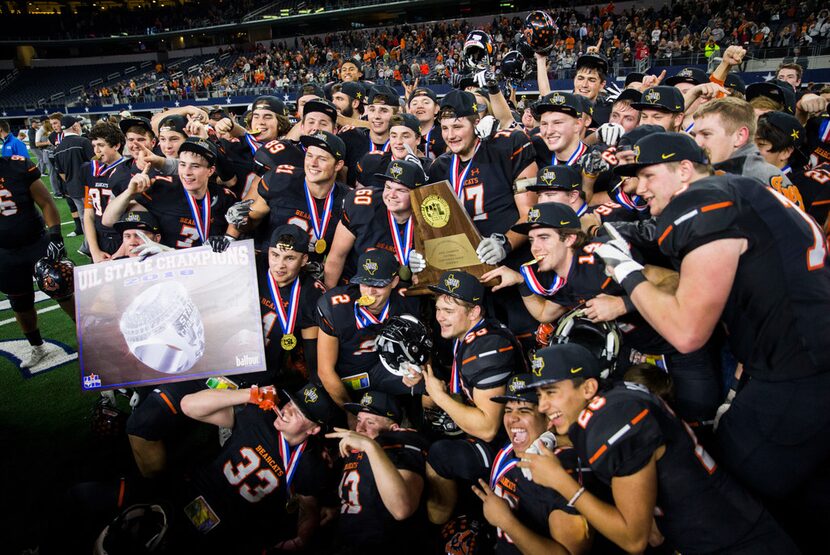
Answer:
(426, 141)
(824, 131)
(458, 178)
(287, 318)
(253, 144)
(402, 248)
(373, 147)
(99, 168)
(290, 460)
(535, 285)
(581, 148)
(582, 209)
(632, 202)
(319, 223)
(689, 127)
(363, 318)
(200, 215)
(456, 384)
(502, 464)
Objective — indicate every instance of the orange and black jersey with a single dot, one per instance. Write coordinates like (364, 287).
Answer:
(236, 159)
(703, 509)
(487, 192)
(166, 200)
(814, 185)
(101, 184)
(277, 359)
(336, 316)
(358, 143)
(153, 173)
(778, 310)
(433, 144)
(364, 521)
(376, 162)
(20, 222)
(486, 358)
(282, 188)
(546, 157)
(278, 152)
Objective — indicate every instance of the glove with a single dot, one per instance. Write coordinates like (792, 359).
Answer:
(493, 249)
(455, 80)
(237, 214)
(56, 249)
(487, 79)
(610, 133)
(544, 334)
(593, 163)
(612, 91)
(412, 157)
(619, 263)
(727, 404)
(314, 269)
(548, 439)
(486, 126)
(441, 422)
(149, 248)
(417, 262)
(220, 243)
(265, 397)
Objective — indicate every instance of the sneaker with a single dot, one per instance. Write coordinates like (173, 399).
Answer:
(72, 234)
(36, 356)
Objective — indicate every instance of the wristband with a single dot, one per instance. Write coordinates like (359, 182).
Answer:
(576, 496)
(629, 306)
(493, 89)
(54, 232)
(632, 280)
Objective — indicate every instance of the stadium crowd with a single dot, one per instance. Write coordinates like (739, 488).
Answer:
(636, 362)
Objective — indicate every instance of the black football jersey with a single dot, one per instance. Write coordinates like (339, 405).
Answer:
(132, 167)
(487, 192)
(101, 184)
(703, 510)
(364, 519)
(166, 201)
(433, 144)
(282, 188)
(485, 358)
(20, 222)
(336, 317)
(814, 186)
(278, 152)
(279, 360)
(236, 159)
(546, 157)
(779, 307)
(358, 143)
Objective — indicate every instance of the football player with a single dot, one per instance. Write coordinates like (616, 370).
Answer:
(423, 104)
(663, 106)
(404, 139)
(135, 229)
(382, 104)
(138, 133)
(349, 97)
(562, 184)
(171, 133)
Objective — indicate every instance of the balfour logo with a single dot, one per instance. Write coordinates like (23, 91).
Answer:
(451, 283)
(685, 72)
(652, 96)
(370, 266)
(536, 365)
(548, 175)
(310, 394)
(366, 400)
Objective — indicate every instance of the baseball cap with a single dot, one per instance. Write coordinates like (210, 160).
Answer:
(565, 361)
(314, 402)
(594, 61)
(734, 82)
(518, 390)
(461, 285)
(139, 219)
(422, 91)
(175, 123)
(136, 121)
(634, 77)
(632, 95)
(408, 174)
(68, 121)
(777, 90)
(460, 103)
(792, 128)
(383, 94)
(371, 165)
(379, 403)
(662, 148)
(271, 103)
(548, 214)
(690, 75)
(628, 140)
(353, 90)
(221, 112)
(321, 106)
(406, 120)
(200, 146)
(587, 104)
(311, 88)
(564, 102)
(376, 268)
(329, 142)
(667, 99)
(557, 178)
(291, 237)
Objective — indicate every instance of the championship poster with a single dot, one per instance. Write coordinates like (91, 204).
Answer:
(181, 315)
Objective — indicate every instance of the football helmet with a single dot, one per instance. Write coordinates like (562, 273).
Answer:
(601, 338)
(539, 31)
(56, 278)
(403, 342)
(514, 66)
(138, 529)
(478, 50)
(108, 421)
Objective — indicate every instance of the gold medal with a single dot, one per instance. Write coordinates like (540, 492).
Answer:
(320, 246)
(288, 341)
(405, 273)
(366, 300)
(292, 505)
(534, 261)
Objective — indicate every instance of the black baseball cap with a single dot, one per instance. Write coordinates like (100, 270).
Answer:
(68, 121)
(789, 124)
(315, 403)
(634, 77)
(734, 82)
(379, 403)
(557, 178)
(691, 75)
(466, 81)
(221, 112)
(139, 219)
(561, 362)
(312, 88)
(630, 94)
(136, 121)
(422, 91)
(406, 120)
(383, 94)
(290, 236)
(779, 91)
(594, 61)
(408, 174)
(174, 122)
(548, 214)
(460, 285)
(376, 268)
(565, 102)
(329, 142)
(200, 146)
(271, 103)
(666, 99)
(460, 103)
(354, 90)
(587, 105)
(628, 140)
(321, 106)
(662, 148)
(518, 390)
(369, 166)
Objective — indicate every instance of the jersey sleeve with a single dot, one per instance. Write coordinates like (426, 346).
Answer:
(359, 209)
(405, 450)
(275, 181)
(310, 295)
(487, 361)
(31, 173)
(697, 217)
(325, 314)
(518, 147)
(439, 170)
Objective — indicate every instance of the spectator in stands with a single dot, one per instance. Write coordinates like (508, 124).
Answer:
(12, 146)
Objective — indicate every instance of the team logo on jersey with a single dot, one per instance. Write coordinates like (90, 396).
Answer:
(396, 171)
(436, 211)
(366, 401)
(537, 364)
(548, 176)
(370, 266)
(451, 283)
(652, 96)
(516, 384)
(533, 216)
(310, 395)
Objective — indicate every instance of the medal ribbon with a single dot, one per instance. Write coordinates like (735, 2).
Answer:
(402, 249)
(200, 216)
(577, 154)
(633, 202)
(373, 147)
(426, 141)
(290, 460)
(287, 318)
(100, 169)
(786, 170)
(690, 127)
(363, 318)
(457, 178)
(253, 144)
(456, 384)
(533, 282)
(582, 209)
(504, 462)
(320, 224)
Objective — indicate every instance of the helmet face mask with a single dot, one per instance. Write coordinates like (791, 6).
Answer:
(514, 66)
(404, 341)
(478, 50)
(601, 338)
